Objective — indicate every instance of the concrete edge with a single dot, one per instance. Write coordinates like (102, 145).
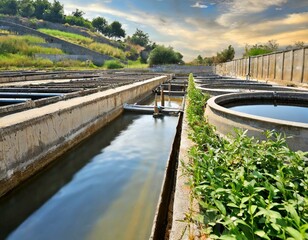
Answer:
(184, 205)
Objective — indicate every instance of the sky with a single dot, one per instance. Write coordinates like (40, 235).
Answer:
(204, 27)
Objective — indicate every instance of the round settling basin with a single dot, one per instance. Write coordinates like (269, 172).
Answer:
(283, 112)
(219, 89)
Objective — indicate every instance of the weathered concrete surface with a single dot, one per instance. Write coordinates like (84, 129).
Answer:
(288, 67)
(183, 202)
(225, 120)
(29, 140)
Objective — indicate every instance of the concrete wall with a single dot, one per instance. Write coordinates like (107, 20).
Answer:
(225, 120)
(181, 69)
(59, 57)
(29, 140)
(287, 66)
(71, 48)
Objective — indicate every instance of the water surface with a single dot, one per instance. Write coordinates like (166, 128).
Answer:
(282, 112)
(105, 188)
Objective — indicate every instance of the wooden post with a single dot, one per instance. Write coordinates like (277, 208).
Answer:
(292, 65)
(282, 67)
(303, 66)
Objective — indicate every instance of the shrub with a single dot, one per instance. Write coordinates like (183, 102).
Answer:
(113, 64)
(163, 55)
(246, 189)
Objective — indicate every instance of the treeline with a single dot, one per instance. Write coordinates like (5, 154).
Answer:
(54, 12)
(249, 51)
(223, 56)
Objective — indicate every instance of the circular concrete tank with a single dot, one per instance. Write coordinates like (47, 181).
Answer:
(219, 89)
(225, 120)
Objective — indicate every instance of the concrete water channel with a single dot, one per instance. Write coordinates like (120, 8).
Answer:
(108, 185)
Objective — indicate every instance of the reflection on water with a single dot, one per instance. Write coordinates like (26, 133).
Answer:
(106, 188)
(282, 112)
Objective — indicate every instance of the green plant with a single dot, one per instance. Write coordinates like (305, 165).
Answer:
(246, 188)
(113, 64)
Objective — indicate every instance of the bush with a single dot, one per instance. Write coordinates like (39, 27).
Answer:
(246, 189)
(162, 55)
(113, 64)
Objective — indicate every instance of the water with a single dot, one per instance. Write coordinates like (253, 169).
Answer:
(282, 112)
(106, 188)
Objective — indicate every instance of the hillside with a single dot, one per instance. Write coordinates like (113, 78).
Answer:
(67, 44)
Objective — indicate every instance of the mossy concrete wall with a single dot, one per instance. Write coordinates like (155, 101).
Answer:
(31, 139)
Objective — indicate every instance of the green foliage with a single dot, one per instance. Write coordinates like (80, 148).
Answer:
(71, 37)
(100, 24)
(246, 189)
(140, 38)
(26, 8)
(225, 55)
(113, 64)
(259, 49)
(86, 42)
(78, 21)
(115, 30)
(24, 45)
(9, 7)
(40, 6)
(8, 61)
(55, 13)
(164, 55)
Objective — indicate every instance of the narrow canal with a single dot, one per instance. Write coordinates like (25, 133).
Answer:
(105, 188)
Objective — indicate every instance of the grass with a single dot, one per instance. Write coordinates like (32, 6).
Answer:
(113, 64)
(86, 42)
(24, 45)
(246, 188)
(18, 52)
(136, 64)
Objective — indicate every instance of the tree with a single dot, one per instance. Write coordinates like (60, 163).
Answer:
(26, 8)
(164, 55)
(78, 13)
(9, 7)
(199, 60)
(259, 49)
(115, 30)
(100, 24)
(140, 38)
(299, 44)
(55, 13)
(40, 7)
(225, 55)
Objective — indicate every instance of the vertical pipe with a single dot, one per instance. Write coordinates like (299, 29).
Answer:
(169, 88)
(275, 63)
(162, 97)
(155, 105)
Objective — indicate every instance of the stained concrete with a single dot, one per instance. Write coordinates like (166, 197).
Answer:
(29, 140)
(183, 204)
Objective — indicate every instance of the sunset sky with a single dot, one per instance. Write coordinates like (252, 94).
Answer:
(207, 26)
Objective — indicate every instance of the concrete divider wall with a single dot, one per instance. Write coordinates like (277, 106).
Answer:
(287, 66)
(31, 139)
(68, 47)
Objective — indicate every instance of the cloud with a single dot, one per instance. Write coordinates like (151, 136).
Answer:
(199, 5)
(196, 35)
(238, 11)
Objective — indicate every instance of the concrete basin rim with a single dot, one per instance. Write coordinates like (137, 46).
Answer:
(213, 104)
